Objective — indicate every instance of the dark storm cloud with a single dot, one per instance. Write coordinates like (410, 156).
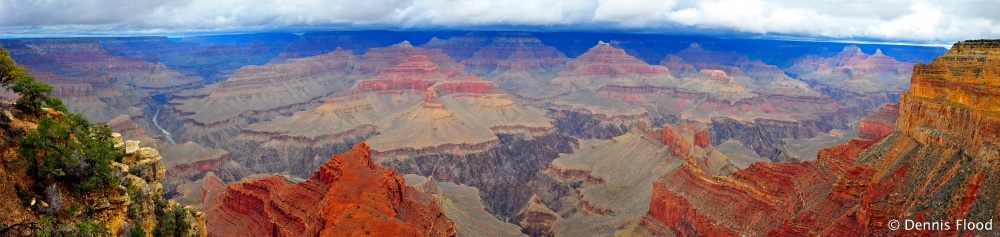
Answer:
(919, 21)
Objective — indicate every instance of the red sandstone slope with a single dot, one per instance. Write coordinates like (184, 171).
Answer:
(938, 167)
(347, 196)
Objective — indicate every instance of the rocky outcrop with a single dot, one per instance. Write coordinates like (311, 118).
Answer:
(142, 170)
(348, 195)
(933, 168)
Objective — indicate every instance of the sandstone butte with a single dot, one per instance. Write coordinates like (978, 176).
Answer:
(938, 165)
(348, 196)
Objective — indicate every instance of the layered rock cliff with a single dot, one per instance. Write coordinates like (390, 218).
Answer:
(934, 168)
(348, 195)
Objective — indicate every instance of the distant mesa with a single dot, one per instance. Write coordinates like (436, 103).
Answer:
(855, 71)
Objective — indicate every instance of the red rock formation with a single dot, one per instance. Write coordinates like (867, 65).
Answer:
(879, 124)
(349, 195)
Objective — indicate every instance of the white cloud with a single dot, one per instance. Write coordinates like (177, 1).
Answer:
(895, 20)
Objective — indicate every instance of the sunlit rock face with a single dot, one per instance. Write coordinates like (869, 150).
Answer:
(348, 195)
(935, 166)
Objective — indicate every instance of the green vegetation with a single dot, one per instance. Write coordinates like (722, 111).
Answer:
(171, 221)
(9, 71)
(70, 150)
(137, 230)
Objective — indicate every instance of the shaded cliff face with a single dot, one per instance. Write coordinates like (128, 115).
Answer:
(348, 195)
(937, 166)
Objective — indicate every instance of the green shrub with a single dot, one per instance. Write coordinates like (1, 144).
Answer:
(34, 94)
(9, 71)
(71, 150)
(171, 222)
(137, 230)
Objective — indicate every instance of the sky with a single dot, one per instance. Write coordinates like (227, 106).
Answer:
(914, 21)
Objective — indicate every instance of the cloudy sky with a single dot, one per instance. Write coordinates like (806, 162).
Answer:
(901, 21)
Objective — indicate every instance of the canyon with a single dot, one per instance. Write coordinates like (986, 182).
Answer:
(535, 133)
